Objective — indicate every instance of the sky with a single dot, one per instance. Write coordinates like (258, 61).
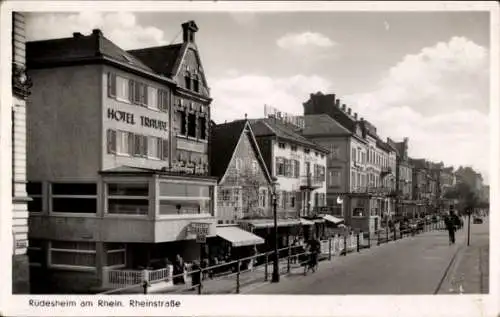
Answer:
(421, 75)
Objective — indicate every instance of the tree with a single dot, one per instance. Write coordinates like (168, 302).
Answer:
(466, 196)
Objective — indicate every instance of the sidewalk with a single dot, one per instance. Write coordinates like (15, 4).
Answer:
(469, 274)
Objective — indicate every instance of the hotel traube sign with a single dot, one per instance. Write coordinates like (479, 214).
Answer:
(127, 117)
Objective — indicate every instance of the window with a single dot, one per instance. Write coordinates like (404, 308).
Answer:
(353, 179)
(353, 154)
(140, 145)
(334, 178)
(281, 145)
(293, 148)
(124, 141)
(335, 152)
(115, 254)
(34, 190)
(187, 80)
(180, 122)
(152, 97)
(202, 126)
(255, 167)
(297, 168)
(192, 125)
(187, 198)
(280, 166)
(154, 147)
(291, 199)
(111, 85)
(238, 164)
(288, 167)
(128, 198)
(122, 88)
(263, 198)
(162, 100)
(307, 151)
(70, 254)
(196, 83)
(74, 197)
(111, 141)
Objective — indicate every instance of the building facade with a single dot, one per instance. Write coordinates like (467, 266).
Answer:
(299, 166)
(361, 167)
(117, 158)
(21, 84)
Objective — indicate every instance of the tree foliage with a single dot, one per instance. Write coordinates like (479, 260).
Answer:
(466, 196)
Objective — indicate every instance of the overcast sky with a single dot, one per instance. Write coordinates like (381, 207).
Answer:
(423, 75)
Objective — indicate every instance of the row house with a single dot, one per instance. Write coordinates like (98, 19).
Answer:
(21, 84)
(361, 167)
(299, 167)
(117, 158)
(244, 188)
(424, 186)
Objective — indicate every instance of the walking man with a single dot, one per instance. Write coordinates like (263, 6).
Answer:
(450, 223)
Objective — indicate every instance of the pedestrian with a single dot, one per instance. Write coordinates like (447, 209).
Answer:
(178, 270)
(204, 265)
(294, 250)
(449, 222)
(195, 274)
(314, 249)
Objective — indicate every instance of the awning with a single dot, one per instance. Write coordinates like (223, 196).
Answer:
(333, 219)
(238, 237)
(306, 222)
(269, 223)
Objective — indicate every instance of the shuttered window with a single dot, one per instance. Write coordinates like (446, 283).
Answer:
(111, 141)
(111, 84)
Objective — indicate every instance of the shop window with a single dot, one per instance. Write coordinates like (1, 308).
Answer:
(192, 125)
(115, 254)
(128, 198)
(34, 190)
(184, 190)
(74, 197)
(184, 207)
(69, 254)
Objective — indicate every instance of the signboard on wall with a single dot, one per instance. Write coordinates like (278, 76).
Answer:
(201, 230)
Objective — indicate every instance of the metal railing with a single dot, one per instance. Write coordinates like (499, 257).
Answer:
(230, 277)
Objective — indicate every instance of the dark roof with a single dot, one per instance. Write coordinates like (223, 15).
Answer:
(161, 59)
(275, 127)
(224, 138)
(78, 48)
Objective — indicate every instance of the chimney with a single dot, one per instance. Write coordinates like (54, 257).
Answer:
(349, 111)
(361, 119)
(96, 32)
(77, 35)
(337, 103)
(188, 30)
(355, 115)
(344, 107)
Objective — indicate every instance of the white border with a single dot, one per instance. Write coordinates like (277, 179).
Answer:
(456, 305)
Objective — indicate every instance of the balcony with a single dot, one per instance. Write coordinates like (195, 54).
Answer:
(373, 190)
(386, 170)
(311, 182)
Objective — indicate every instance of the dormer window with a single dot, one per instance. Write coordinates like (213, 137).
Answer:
(187, 79)
(196, 83)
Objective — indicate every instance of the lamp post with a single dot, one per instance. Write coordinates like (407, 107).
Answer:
(276, 274)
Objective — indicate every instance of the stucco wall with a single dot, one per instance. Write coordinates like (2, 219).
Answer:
(64, 137)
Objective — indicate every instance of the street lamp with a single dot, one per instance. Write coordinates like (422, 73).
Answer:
(276, 273)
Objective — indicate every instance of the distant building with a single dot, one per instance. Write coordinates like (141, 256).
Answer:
(117, 158)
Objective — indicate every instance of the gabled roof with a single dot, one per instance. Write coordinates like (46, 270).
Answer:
(317, 125)
(162, 59)
(76, 49)
(274, 127)
(224, 140)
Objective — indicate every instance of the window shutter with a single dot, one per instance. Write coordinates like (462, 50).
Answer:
(131, 91)
(164, 148)
(131, 139)
(111, 141)
(144, 145)
(165, 100)
(159, 99)
(145, 94)
(137, 145)
(111, 84)
(137, 93)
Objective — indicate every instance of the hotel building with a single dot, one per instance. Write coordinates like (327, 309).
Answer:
(117, 159)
